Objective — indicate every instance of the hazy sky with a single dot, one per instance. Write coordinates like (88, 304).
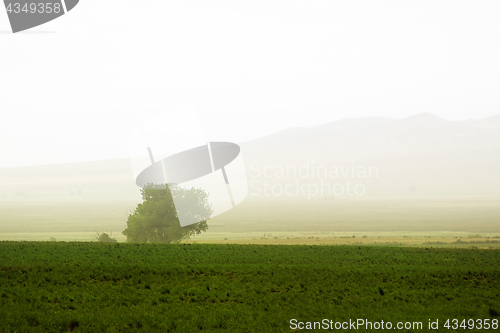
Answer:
(251, 68)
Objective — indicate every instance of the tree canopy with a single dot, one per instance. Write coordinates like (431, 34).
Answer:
(155, 220)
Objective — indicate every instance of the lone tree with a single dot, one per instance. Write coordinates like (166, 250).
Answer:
(155, 220)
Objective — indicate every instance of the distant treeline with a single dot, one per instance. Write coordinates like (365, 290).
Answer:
(460, 241)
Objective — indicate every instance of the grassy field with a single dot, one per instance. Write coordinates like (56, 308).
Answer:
(92, 287)
(468, 242)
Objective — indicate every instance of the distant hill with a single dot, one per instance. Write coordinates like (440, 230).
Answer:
(422, 154)
(111, 179)
(371, 137)
(419, 155)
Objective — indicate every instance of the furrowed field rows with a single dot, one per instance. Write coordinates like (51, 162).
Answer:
(91, 287)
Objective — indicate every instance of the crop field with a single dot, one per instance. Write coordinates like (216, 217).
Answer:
(93, 287)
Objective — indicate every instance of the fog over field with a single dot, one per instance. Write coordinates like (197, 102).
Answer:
(385, 114)
(421, 175)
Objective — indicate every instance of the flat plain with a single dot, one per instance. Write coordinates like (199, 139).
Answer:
(409, 219)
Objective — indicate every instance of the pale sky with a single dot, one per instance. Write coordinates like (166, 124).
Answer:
(250, 68)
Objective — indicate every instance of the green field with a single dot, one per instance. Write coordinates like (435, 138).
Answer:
(92, 287)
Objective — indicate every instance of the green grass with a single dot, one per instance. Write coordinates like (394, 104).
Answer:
(91, 287)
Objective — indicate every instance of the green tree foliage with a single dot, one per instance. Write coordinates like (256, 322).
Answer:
(155, 220)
